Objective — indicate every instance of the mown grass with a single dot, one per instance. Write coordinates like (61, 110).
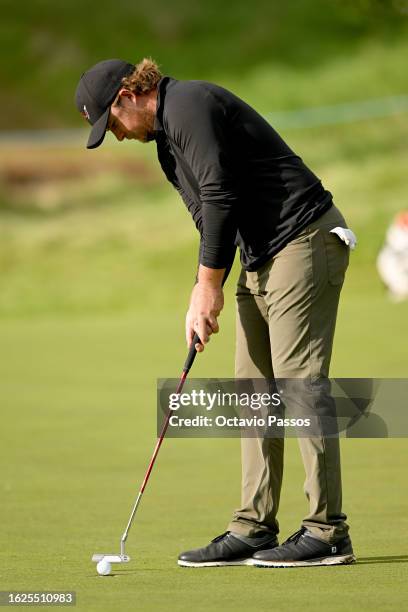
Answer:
(78, 426)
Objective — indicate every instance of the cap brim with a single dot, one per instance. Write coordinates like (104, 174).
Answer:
(98, 131)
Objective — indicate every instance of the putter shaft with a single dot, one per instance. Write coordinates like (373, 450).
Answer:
(189, 362)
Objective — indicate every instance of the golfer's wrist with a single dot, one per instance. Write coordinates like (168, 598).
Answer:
(210, 277)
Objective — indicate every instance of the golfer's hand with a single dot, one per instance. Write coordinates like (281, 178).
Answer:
(206, 304)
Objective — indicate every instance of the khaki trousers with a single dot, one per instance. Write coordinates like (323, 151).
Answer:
(286, 316)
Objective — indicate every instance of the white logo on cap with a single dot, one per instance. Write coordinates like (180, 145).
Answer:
(85, 113)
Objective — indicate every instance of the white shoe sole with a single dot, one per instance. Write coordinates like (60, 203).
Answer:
(215, 563)
(339, 560)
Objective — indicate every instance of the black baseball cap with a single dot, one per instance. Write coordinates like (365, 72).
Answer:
(97, 89)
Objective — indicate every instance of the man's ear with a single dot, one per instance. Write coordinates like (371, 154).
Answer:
(126, 94)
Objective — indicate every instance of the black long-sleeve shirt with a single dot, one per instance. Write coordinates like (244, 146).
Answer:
(240, 181)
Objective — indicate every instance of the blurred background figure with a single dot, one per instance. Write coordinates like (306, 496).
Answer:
(392, 261)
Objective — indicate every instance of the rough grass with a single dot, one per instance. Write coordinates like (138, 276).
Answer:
(72, 243)
(280, 55)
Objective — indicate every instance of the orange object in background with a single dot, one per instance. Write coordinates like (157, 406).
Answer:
(392, 261)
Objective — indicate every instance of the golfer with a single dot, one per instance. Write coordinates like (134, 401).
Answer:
(245, 187)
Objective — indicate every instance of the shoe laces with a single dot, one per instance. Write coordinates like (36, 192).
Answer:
(295, 537)
(220, 537)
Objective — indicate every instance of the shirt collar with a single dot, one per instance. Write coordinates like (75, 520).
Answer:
(161, 94)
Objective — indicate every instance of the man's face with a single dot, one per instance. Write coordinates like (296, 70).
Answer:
(132, 119)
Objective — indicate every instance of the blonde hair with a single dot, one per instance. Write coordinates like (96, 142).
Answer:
(144, 78)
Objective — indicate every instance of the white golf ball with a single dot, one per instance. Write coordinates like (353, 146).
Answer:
(103, 567)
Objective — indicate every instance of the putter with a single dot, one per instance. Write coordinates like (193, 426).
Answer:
(122, 557)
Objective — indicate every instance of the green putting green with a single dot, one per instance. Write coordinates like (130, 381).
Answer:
(78, 427)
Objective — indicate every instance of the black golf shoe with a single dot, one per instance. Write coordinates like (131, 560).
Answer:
(227, 549)
(303, 549)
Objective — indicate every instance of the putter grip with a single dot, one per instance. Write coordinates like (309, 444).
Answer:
(191, 354)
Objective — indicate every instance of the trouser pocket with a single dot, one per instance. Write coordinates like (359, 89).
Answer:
(337, 257)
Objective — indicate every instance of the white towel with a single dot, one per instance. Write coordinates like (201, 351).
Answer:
(346, 235)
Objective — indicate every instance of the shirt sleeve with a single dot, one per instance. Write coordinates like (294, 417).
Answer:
(198, 126)
(228, 266)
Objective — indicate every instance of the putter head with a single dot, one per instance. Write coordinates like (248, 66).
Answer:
(110, 557)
